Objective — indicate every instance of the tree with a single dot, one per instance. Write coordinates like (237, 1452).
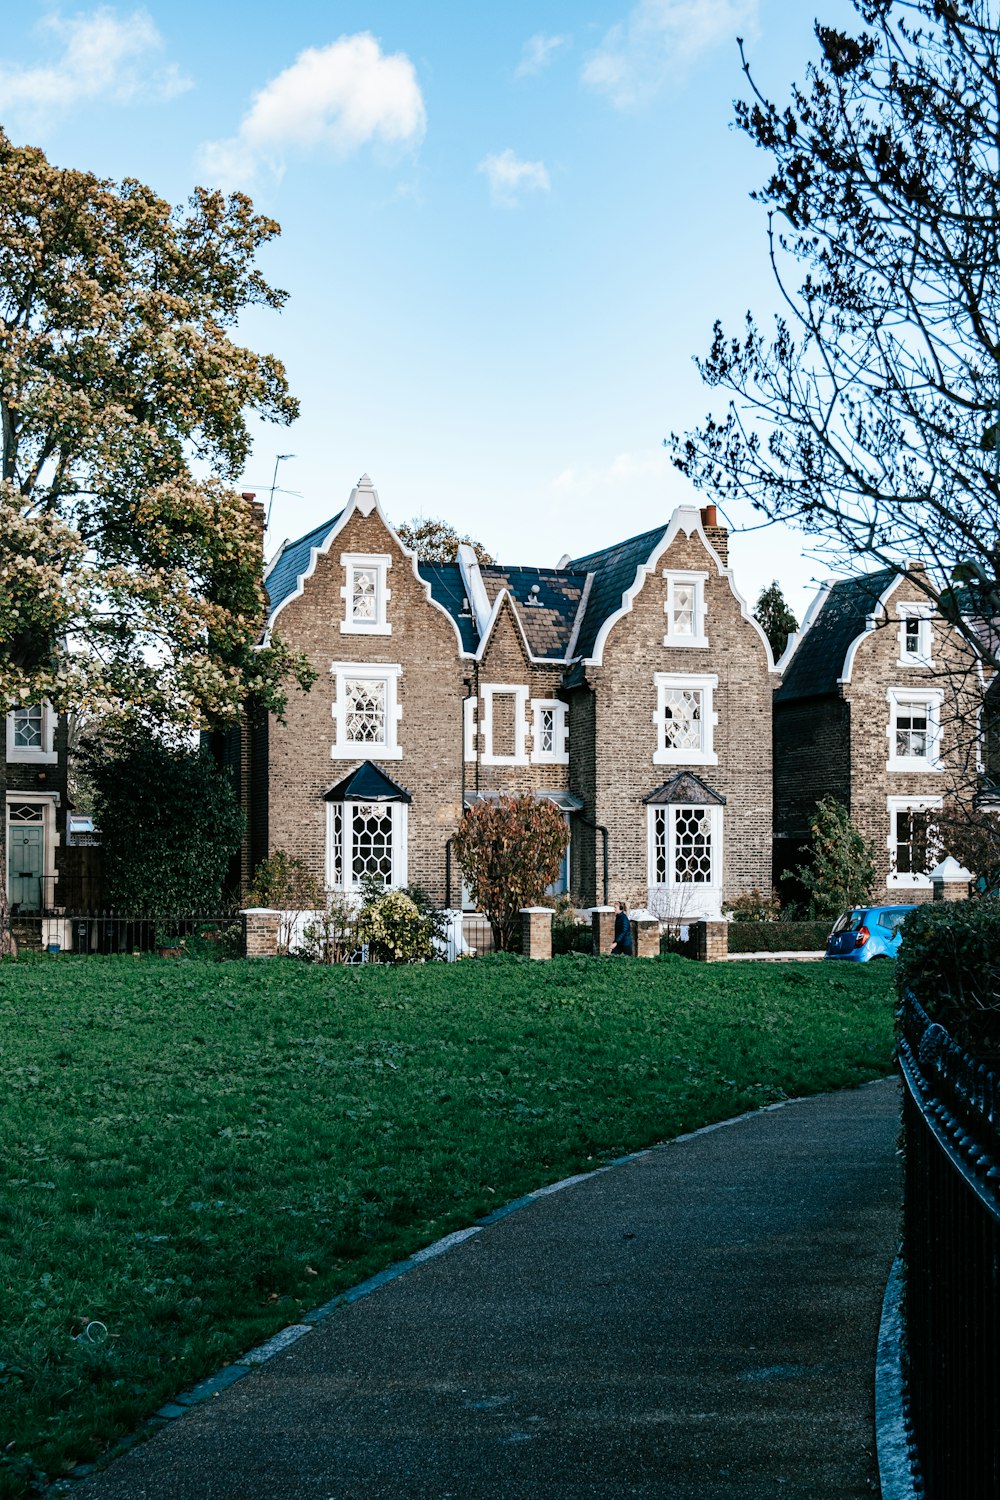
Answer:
(840, 868)
(510, 850)
(775, 618)
(436, 541)
(126, 582)
(870, 415)
(169, 826)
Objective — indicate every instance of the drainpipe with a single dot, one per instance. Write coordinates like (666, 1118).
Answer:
(599, 828)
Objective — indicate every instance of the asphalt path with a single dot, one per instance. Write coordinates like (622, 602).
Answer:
(696, 1323)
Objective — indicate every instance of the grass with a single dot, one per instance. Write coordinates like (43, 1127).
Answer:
(197, 1153)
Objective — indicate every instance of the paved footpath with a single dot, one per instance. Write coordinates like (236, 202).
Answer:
(698, 1323)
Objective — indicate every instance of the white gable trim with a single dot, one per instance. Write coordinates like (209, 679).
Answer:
(880, 611)
(364, 498)
(686, 518)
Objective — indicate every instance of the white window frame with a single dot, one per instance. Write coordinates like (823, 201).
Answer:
(386, 749)
(923, 656)
(679, 898)
(932, 699)
(559, 754)
(46, 755)
(489, 691)
(400, 830)
(906, 880)
(470, 712)
(704, 683)
(376, 562)
(697, 639)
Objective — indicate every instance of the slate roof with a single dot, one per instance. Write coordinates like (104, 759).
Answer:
(367, 783)
(547, 601)
(614, 569)
(282, 581)
(818, 660)
(448, 590)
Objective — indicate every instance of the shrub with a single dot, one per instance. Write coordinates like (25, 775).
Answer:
(949, 957)
(394, 930)
(778, 937)
(840, 871)
(510, 850)
(169, 827)
(754, 906)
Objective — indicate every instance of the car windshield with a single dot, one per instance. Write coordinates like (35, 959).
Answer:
(849, 922)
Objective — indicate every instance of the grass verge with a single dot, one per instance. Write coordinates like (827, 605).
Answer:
(195, 1153)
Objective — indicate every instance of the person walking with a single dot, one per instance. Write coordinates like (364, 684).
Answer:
(623, 931)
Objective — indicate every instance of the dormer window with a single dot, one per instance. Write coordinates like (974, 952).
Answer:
(685, 609)
(365, 594)
(915, 644)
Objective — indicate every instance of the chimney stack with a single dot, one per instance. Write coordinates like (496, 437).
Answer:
(716, 534)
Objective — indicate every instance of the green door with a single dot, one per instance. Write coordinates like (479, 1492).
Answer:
(25, 865)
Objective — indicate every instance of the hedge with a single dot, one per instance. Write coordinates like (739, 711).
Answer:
(779, 937)
(949, 957)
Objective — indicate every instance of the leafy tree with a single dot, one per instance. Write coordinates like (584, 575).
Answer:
(775, 618)
(436, 541)
(169, 827)
(510, 850)
(870, 413)
(840, 868)
(126, 582)
(287, 884)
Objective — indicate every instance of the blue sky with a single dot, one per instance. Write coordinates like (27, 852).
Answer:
(506, 232)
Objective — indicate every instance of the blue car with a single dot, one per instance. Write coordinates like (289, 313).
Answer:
(867, 932)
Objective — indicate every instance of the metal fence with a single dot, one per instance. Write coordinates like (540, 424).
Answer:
(111, 932)
(951, 1245)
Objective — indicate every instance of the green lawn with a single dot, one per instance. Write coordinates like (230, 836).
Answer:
(196, 1153)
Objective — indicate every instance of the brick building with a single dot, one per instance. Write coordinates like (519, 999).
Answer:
(632, 687)
(36, 807)
(878, 707)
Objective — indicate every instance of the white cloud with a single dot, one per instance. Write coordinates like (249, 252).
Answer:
(659, 40)
(335, 98)
(508, 176)
(537, 53)
(102, 57)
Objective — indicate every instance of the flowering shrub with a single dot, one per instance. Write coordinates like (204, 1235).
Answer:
(394, 929)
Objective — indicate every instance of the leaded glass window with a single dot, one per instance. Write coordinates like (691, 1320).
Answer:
(547, 731)
(684, 601)
(364, 595)
(682, 718)
(660, 855)
(692, 846)
(26, 812)
(364, 718)
(372, 842)
(337, 845)
(28, 728)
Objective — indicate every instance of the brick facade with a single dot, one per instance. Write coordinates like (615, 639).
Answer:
(843, 697)
(519, 680)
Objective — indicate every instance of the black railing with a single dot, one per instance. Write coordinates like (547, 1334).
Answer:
(951, 1250)
(114, 932)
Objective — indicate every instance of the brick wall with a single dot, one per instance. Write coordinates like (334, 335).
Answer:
(430, 691)
(625, 737)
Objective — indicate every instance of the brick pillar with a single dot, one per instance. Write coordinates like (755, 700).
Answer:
(602, 926)
(262, 931)
(645, 935)
(950, 881)
(536, 931)
(711, 939)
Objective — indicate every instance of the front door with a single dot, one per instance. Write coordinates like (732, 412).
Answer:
(25, 856)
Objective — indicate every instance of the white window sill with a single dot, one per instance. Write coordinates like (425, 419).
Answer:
(685, 758)
(544, 758)
(352, 627)
(505, 760)
(914, 661)
(690, 642)
(908, 882)
(32, 757)
(365, 752)
(921, 767)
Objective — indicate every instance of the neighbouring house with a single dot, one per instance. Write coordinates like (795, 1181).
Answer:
(631, 687)
(37, 802)
(878, 707)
